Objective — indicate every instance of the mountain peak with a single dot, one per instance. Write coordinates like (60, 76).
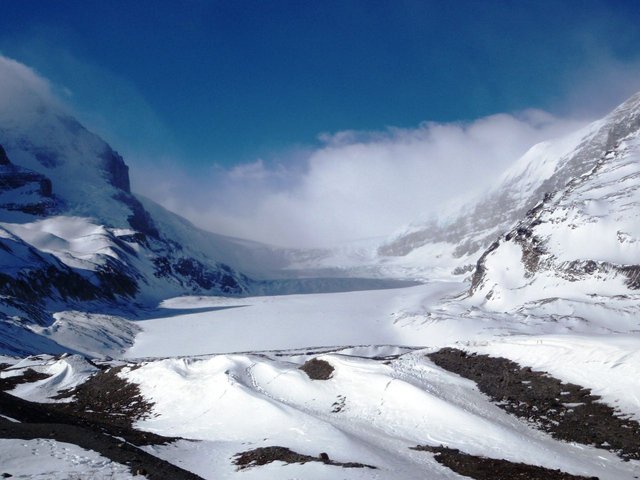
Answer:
(623, 121)
(547, 167)
(630, 106)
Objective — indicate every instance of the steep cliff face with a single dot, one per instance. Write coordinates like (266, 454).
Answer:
(23, 190)
(116, 170)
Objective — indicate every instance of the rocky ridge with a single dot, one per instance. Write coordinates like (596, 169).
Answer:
(582, 237)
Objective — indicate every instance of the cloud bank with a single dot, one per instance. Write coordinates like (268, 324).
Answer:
(353, 185)
(22, 92)
(356, 185)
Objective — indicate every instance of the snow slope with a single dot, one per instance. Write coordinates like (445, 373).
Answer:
(383, 410)
(581, 243)
(377, 404)
(46, 459)
(64, 373)
(608, 364)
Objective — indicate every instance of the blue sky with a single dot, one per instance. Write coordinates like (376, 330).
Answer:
(226, 82)
(311, 123)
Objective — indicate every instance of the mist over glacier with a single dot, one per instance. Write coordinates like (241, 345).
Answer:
(378, 181)
(356, 185)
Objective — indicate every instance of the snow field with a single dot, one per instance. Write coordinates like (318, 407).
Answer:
(46, 459)
(368, 412)
(282, 322)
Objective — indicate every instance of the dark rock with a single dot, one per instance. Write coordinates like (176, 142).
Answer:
(117, 171)
(264, 455)
(137, 237)
(114, 280)
(139, 219)
(339, 404)
(632, 272)
(46, 188)
(28, 376)
(197, 276)
(106, 397)
(481, 269)
(4, 160)
(162, 267)
(42, 420)
(204, 277)
(13, 177)
(317, 369)
(482, 468)
(44, 278)
(462, 269)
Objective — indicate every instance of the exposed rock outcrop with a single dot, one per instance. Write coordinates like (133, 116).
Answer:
(24, 190)
(116, 170)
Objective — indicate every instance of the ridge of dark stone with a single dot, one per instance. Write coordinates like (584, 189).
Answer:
(567, 411)
(483, 468)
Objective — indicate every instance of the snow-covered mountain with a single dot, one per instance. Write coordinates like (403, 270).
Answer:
(67, 200)
(134, 345)
(71, 230)
(545, 168)
(582, 239)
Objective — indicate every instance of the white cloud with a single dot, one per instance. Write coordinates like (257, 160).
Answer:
(23, 92)
(105, 102)
(357, 184)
